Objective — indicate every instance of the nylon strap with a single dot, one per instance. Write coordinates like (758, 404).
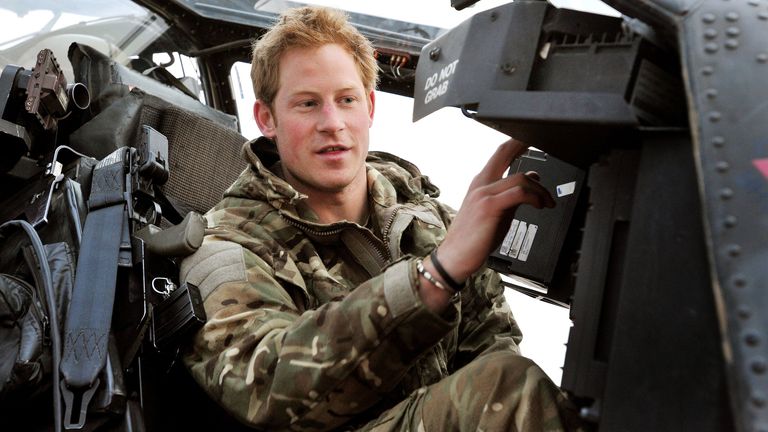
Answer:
(90, 312)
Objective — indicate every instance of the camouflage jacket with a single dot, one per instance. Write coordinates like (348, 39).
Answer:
(312, 326)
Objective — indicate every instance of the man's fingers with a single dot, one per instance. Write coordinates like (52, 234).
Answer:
(527, 182)
(499, 162)
(531, 194)
(534, 175)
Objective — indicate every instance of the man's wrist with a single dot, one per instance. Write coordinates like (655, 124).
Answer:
(433, 293)
(429, 275)
(446, 277)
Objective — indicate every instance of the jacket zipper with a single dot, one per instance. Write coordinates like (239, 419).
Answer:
(384, 255)
(388, 225)
(304, 227)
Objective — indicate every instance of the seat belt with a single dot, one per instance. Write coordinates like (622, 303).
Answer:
(87, 327)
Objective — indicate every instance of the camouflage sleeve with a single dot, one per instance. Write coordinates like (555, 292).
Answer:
(487, 324)
(276, 367)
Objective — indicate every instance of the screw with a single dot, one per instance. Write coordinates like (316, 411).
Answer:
(434, 54)
(508, 68)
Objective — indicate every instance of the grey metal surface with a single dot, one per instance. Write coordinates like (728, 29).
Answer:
(665, 366)
(724, 56)
(463, 63)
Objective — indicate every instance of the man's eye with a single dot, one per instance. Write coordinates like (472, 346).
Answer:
(348, 99)
(307, 103)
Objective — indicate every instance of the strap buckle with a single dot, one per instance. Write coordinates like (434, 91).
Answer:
(76, 404)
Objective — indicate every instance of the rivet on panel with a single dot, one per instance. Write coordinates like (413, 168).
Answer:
(722, 166)
(733, 31)
(763, 15)
(718, 141)
(754, 2)
(752, 339)
(758, 399)
(707, 70)
(730, 221)
(739, 281)
(711, 93)
(734, 250)
(759, 366)
(732, 44)
(715, 116)
(711, 47)
(710, 33)
(732, 16)
(708, 18)
(744, 312)
(762, 58)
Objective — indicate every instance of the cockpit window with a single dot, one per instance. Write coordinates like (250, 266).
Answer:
(383, 30)
(120, 29)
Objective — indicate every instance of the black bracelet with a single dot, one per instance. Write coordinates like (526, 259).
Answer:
(452, 284)
(428, 276)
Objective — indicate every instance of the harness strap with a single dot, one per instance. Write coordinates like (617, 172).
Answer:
(90, 312)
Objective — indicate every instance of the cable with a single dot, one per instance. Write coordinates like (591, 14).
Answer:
(47, 281)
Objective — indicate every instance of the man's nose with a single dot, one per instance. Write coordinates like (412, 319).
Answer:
(331, 119)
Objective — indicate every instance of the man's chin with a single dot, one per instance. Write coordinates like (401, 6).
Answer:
(324, 186)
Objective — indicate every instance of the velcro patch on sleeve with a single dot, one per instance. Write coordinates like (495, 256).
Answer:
(213, 264)
(398, 290)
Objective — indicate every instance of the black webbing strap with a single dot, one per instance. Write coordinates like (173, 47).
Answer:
(86, 332)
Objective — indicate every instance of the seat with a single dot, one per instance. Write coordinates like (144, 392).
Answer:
(204, 145)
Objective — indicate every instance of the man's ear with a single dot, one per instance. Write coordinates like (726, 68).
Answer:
(371, 106)
(264, 119)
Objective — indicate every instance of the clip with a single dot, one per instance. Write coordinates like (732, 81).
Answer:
(167, 288)
(76, 404)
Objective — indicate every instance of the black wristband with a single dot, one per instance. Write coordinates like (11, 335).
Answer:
(452, 284)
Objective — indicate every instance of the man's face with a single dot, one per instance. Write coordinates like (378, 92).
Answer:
(320, 119)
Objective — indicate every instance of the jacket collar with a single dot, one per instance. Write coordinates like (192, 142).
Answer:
(390, 180)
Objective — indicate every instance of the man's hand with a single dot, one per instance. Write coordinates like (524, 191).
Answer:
(484, 218)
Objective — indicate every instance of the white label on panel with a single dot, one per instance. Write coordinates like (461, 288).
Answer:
(526, 248)
(518, 241)
(507, 243)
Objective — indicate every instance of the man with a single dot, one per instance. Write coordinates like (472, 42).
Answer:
(339, 292)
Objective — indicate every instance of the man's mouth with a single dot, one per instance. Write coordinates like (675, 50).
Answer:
(332, 149)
